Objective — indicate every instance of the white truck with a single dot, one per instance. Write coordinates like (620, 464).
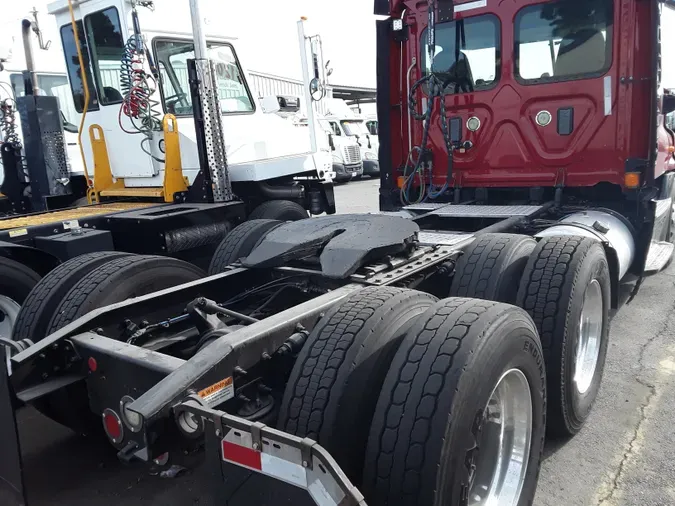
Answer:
(344, 122)
(261, 148)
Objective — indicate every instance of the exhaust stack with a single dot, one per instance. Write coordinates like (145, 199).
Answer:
(207, 115)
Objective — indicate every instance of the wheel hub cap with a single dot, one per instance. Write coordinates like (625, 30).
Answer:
(590, 335)
(504, 443)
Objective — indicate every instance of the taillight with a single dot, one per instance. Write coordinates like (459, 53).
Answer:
(113, 425)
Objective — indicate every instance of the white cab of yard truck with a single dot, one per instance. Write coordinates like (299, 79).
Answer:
(50, 73)
(260, 145)
(345, 122)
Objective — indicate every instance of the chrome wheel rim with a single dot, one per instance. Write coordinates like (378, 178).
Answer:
(590, 336)
(504, 443)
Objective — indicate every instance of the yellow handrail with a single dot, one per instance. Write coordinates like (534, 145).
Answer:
(86, 95)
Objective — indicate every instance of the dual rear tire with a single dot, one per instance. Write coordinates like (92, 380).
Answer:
(563, 282)
(381, 376)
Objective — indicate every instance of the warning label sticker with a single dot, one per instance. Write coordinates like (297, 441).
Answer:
(218, 392)
(17, 232)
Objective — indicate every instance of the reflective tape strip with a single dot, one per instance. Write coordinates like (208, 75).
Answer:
(284, 470)
(241, 456)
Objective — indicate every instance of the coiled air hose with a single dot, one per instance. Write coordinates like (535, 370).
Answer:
(138, 87)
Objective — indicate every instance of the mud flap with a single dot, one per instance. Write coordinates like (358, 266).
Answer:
(12, 492)
(278, 456)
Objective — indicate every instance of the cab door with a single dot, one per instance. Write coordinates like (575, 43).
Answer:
(102, 35)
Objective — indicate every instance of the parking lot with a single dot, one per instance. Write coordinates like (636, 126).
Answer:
(623, 456)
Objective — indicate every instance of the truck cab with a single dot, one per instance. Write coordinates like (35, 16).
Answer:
(534, 94)
(344, 122)
(345, 150)
(260, 145)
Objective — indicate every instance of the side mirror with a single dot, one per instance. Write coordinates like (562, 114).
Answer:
(370, 145)
(288, 103)
(330, 142)
(668, 102)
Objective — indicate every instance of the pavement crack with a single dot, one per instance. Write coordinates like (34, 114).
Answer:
(632, 445)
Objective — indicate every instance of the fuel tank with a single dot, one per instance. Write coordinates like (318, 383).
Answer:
(603, 225)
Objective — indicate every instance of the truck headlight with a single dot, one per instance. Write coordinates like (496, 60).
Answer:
(370, 155)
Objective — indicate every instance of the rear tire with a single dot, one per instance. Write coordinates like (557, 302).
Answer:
(239, 243)
(331, 393)
(564, 273)
(491, 267)
(16, 282)
(39, 307)
(113, 281)
(283, 210)
(430, 441)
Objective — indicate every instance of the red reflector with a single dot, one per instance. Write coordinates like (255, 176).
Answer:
(92, 364)
(112, 425)
(242, 455)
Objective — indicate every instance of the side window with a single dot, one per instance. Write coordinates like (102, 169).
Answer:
(74, 69)
(106, 46)
(172, 57)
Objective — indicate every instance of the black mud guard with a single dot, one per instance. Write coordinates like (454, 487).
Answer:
(33, 258)
(12, 490)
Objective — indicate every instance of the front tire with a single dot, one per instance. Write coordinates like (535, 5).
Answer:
(566, 289)
(434, 437)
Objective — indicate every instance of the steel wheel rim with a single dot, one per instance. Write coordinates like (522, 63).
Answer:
(590, 337)
(504, 443)
(9, 310)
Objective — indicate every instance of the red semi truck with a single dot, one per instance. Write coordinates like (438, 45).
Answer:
(414, 357)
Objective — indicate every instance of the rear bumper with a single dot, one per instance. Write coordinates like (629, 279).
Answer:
(301, 462)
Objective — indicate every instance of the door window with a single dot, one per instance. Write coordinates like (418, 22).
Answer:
(74, 69)
(106, 45)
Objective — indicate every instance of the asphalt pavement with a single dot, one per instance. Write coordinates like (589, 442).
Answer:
(623, 456)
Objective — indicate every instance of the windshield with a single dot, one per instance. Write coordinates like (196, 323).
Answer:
(559, 41)
(172, 59)
(466, 51)
(354, 127)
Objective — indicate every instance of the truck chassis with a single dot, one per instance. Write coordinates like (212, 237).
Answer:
(214, 359)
